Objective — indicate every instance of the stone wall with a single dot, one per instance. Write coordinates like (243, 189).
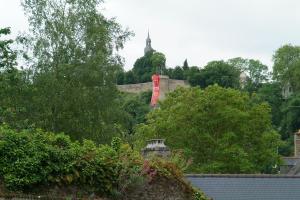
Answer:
(135, 88)
(161, 189)
(166, 85)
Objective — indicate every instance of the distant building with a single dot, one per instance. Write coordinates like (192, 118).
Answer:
(287, 90)
(243, 79)
(165, 85)
(148, 47)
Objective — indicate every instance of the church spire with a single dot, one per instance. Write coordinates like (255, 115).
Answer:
(148, 35)
(148, 44)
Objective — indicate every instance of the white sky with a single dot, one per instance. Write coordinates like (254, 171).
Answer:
(199, 30)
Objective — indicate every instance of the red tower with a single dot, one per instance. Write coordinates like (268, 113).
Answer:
(155, 89)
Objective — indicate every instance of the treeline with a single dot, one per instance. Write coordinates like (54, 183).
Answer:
(278, 85)
(224, 73)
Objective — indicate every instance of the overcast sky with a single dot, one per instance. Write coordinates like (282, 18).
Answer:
(199, 30)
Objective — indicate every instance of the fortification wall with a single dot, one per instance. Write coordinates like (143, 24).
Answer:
(173, 84)
(135, 88)
(166, 85)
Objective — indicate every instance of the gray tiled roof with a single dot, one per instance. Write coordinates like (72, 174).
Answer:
(247, 187)
(290, 160)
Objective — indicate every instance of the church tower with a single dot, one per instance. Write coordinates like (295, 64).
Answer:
(148, 45)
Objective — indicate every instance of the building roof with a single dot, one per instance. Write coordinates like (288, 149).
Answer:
(247, 186)
(290, 160)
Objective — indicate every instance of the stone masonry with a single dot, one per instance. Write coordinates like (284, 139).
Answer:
(166, 85)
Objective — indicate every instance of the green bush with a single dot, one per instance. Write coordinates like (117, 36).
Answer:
(37, 158)
(36, 161)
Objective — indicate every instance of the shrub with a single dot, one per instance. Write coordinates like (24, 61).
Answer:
(37, 158)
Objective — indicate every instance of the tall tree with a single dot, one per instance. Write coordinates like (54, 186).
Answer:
(158, 61)
(144, 67)
(177, 73)
(193, 76)
(223, 130)
(256, 72)
(74, 67)
(271, 93)
(136, 107)
(15, 89)
(286, 64)
(185, 65)
(221, 73)
(7, 55)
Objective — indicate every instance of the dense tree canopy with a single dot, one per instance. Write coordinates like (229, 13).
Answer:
(256, 72)
(223, 130)
(143, 68)
(70, 84)
(271, 93)
(221, 73)
(7, 55)
(286, 67)
(14, 87)
(136, 107)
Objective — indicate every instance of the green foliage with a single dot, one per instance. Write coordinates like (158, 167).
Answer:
(290, 110)
(215, 72)
(271, 93)
(116, 143)
(177, 157)
(130, 174)
(15, 90)
(221, 73)
(156, 168)
(286, 59)
(135, 108)
(221, 129)
(143, 68)
(257, 73)
(70, 86)
(185, 65)
(32, 159)
(193, 76)
(176, 73)
(7, 55)
(286, 68)
(158, 61)
(285, 112)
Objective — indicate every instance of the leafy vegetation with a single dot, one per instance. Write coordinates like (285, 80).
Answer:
(32, 160)
(143, 68)
(62, 119)
(136, 107)
(223, 130)
(263, 85)
(68, 84)
(35, 158)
